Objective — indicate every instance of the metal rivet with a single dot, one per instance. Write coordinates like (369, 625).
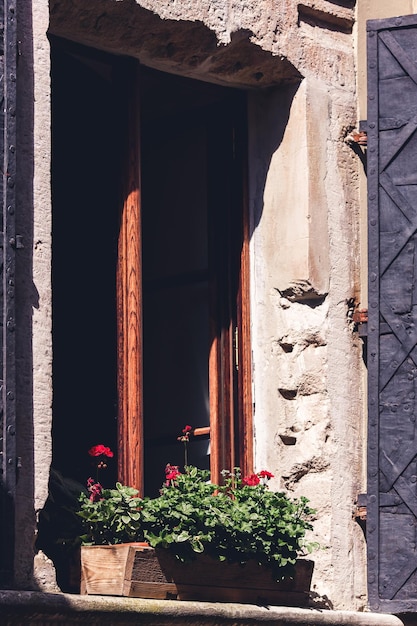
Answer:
(371, 97)
(10, 210)
(11, 430)
(10, 395)
(372, 125)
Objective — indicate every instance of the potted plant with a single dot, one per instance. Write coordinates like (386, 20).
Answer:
(238, 541)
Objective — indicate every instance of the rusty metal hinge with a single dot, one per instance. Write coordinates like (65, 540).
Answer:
(360, 319)
(360, 508)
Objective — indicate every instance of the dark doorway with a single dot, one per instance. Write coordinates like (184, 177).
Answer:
(191, 168)
(85, 223)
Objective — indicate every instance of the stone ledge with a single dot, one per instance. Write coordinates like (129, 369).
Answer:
(27, 608)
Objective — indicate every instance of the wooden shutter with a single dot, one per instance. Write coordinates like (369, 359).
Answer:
(129, 290)
(8, 242)
(392, 325)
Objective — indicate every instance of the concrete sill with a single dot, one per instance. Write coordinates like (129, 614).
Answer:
(27, 608)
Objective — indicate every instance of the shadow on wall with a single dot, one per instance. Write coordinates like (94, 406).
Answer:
(268, 112)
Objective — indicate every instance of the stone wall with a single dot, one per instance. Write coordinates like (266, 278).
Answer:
(297, 60)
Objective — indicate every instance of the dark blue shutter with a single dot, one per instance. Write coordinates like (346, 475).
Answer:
(7, 284)
(392, 325)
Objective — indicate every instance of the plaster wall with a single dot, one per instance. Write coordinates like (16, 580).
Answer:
(307, 387)
(307, 381)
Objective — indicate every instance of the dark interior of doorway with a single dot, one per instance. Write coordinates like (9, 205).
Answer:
(182, 124)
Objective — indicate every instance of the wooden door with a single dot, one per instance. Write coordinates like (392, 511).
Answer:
(392, 326)
(190, 236)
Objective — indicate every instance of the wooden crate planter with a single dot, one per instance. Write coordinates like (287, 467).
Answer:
(139, 571)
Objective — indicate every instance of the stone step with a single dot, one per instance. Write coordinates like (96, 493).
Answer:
(30, 608)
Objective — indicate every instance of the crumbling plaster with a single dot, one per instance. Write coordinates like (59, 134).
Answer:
(303, 185)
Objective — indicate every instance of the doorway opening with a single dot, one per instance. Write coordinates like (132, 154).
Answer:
(190, 311)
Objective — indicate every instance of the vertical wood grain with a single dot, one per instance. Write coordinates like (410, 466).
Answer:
(129, 297)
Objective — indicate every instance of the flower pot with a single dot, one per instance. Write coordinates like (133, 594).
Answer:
(103, 568)
(142, 572)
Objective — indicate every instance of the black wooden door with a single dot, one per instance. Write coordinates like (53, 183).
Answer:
(392, 325)
(8, 243)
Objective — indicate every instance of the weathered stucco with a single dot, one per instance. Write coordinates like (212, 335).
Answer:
(297, 59)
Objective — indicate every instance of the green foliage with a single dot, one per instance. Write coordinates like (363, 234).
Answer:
(113, 518)
(234, 522)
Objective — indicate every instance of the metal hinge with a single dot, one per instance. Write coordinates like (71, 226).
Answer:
(360, 508)
(360, 319)
(236, 344)
(17, 242)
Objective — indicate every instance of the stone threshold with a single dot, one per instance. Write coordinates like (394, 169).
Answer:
(27, 608)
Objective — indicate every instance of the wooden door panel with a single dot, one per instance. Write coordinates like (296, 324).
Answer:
(392, 325)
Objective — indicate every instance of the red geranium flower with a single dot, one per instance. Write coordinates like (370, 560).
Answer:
(95, 489)
(265, 474)
(100, 450)
(171, 473)
(251, 481)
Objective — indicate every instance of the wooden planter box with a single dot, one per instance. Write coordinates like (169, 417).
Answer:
(139, 571)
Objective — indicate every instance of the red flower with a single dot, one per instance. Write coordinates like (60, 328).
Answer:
(100, 450)
(265, 474)
(251, 481)
(95, 489)
(171, 473)
(185, 437)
